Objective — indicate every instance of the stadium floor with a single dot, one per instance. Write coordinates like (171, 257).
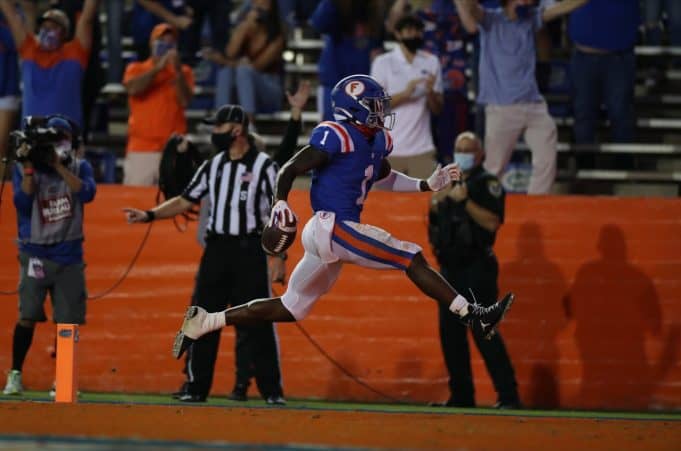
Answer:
(103, 421)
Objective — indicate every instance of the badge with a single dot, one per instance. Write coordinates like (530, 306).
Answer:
(494, 188)
(35, 268)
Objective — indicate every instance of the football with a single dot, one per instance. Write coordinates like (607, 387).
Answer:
(278, 237)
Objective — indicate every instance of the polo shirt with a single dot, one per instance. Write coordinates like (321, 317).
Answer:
(155, 114)
(411, 132)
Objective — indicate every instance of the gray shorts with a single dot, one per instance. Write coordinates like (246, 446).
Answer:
(65, 283)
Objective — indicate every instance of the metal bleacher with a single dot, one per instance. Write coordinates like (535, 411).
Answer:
(650, 166)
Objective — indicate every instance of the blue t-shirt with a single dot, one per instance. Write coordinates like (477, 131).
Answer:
(9, 66)
(610, 25)
(354, 163)
(343, 54)
(508, 57)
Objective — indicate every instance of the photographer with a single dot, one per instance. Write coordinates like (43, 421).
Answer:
(51, 185)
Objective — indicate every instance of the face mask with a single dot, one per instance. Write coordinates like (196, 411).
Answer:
(222, 141)
(523, 11)
(49, 39)
(466, 161)
(413, 44)
(162, 47)
(63, 150)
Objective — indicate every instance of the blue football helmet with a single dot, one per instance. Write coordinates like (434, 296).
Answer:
(362, 99)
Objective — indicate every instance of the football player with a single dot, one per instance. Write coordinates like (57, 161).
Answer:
(347, 157)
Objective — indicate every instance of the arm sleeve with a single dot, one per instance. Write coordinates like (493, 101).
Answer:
(198, 186)
(89, 189)
(324, 18)
(289, 143)
(396, 181)
(22, 201)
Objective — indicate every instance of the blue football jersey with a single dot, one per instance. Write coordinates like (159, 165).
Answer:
(354, 164)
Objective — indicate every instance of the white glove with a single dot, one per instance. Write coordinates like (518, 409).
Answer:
(282, 214)
(442, 177)
(23, 151)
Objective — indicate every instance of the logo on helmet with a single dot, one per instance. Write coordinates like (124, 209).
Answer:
(355, 88)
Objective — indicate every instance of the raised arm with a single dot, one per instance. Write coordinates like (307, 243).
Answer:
(16, 25)
(471, 14)
(86, 22)
(157, 9)
(561, 8)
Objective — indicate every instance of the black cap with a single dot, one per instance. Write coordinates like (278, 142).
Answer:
(228, 113)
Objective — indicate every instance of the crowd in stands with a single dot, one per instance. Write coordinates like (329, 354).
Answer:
(497, 49)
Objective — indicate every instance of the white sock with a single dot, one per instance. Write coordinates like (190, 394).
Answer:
(459, 306)
(215, 321)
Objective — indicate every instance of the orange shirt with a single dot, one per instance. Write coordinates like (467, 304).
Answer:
(155, 114)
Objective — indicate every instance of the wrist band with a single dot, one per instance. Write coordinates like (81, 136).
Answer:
(150, 215)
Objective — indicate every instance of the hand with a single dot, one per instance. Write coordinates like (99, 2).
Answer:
(135, 216)
(244, 61)
(281, 213)
(277, 269)
(210, 54)
(173, 57)
(183, 143)
(23, 151)
(459, 193)
(162, 62)
(411, 86)
(181, 22)
(252, 16)
(443, 176)
(430, 83)
(299, 99)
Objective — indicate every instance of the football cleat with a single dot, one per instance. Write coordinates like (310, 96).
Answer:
(485, 320)
(192, 328)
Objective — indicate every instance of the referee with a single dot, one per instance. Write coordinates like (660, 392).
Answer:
(239, 180)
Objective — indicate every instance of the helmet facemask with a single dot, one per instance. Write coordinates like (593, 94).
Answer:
(380, 114)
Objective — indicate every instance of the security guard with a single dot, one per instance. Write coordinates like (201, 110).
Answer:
(462, 229)
(239, 181)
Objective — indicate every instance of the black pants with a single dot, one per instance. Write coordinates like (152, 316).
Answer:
(481, 277)
(232, 272)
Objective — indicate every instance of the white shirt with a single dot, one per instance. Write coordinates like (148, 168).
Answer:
(411, 132)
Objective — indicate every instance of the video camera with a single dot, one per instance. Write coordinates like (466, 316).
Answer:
(38, 137)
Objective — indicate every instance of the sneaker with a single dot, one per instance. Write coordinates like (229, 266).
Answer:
(191, 397)
(275, 401)
(486, 319)
(192, 328)
(13, 386)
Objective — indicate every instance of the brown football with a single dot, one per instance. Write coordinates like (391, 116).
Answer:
(279, 237)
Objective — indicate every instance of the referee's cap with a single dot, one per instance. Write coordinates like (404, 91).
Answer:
(228, 113)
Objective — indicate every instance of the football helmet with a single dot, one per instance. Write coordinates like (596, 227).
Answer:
(362, 99)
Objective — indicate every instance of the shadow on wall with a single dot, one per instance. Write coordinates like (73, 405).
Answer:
(616, 307)
(541, 317)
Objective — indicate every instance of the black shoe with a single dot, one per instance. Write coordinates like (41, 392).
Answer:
(182, 391)
(484, 320)
(276, 401)
(237, 395)
(190, 397)
(508, 405)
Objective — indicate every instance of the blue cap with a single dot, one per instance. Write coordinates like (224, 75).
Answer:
(60, 124)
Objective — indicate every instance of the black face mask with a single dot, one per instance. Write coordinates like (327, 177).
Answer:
(222, 141)
(413, 44)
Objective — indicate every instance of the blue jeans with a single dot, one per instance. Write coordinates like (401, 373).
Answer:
(603, 78)
(653, 11)
(256, 91)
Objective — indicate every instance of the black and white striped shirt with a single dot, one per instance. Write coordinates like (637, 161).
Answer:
(240, 192)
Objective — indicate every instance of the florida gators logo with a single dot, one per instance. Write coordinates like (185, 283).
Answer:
(354, 88)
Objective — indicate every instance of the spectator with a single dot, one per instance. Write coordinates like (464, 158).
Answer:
(413, 79)
(463, 224)
(49, 195)
(604, 67)
(9, 91)
(445, 38)
(252, 62)
(217, 14)
(159, 90)
(93, 80)
(653, 23)
(508, 88)
(52, 67)
(353, 36)
(146, 14)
